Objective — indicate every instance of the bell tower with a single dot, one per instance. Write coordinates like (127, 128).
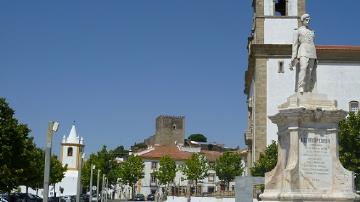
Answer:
(71, 149)
(273, 18)
(269, 52)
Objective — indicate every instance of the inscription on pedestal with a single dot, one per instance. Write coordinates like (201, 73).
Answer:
(315, 161)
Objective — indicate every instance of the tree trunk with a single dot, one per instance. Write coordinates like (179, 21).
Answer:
(27, 193)
(132, 191)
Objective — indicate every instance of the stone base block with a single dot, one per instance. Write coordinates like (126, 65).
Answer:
(308, 167)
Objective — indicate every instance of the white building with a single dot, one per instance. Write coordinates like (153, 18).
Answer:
(152, 156)
(70, 155)
(269, 81)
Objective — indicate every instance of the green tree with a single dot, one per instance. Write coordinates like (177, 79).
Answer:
(349, 144)
(57, 170)
(34, 171)
(267, 161)
(167, 171)
(103, 160)
(13, 148)
(131, 171)
(139, 147)
(197, 138)
(196, 168)
(228, 166)
(120, 152)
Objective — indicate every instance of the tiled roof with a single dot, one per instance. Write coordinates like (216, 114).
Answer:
(172, 151)
(211, 156)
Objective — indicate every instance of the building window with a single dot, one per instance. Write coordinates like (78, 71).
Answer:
(70, 151)
(152, 178)
(354, 106)
(281, 67)
(154, 165)
(174, 126)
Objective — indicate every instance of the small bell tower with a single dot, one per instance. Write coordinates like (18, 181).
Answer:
(273, 19)
(71, 149)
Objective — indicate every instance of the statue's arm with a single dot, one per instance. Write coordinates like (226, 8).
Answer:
(295, 47)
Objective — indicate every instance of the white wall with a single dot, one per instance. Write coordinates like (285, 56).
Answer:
(279, 30)
(199, 199)
(70, 160)
(339, 81)
(269, 7)
(292, 7)
(279, 87)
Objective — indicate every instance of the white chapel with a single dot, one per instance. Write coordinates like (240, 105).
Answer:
(72, 148)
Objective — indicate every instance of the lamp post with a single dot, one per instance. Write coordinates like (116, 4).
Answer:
(103, 186)
(52, 128)
(79, 178)
(97, 186)
(91, 178)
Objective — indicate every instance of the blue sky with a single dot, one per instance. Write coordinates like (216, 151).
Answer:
(114, 66)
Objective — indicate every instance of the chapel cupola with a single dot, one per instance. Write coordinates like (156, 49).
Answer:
(71, 148)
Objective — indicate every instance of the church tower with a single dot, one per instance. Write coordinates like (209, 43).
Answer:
(269, 48)
(71, 149)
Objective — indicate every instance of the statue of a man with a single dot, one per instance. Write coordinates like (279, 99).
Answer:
(304, 56)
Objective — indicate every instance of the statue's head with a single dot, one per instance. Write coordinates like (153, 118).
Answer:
(305, 19)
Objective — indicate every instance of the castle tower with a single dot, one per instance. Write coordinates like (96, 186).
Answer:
(170, 130)
(269, 47)
(71, 149)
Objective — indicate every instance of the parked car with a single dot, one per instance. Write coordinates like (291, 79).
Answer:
(150, 197)
(139, 197)
(66, 198)
(27, 197)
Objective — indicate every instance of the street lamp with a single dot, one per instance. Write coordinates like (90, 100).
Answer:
(52, 128)
(78, 190)
(91, 178)
(97, 185)
(103, 187)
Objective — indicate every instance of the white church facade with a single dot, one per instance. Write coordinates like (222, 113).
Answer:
(268, 80)
(72, 148)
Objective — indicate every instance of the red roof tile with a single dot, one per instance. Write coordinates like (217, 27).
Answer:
(172, 151)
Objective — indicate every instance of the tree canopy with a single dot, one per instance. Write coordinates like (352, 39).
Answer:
(349, 144)
(104, 160)
(13, 149)
(167, 171)
(228, 166)
(196, 168)
(21, 162)
(131, 171)
(267, 161)
(197, 137)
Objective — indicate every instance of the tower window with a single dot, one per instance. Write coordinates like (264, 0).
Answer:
(281, 67)
(354, 106)
(280, 7)
(70, 151)
(174, 126)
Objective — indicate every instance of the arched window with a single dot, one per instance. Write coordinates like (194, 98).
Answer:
(353, 106)
(70, 151)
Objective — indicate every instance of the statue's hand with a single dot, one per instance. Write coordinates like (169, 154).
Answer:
(293, 63)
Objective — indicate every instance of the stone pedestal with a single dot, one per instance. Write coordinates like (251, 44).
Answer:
(308, 167)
